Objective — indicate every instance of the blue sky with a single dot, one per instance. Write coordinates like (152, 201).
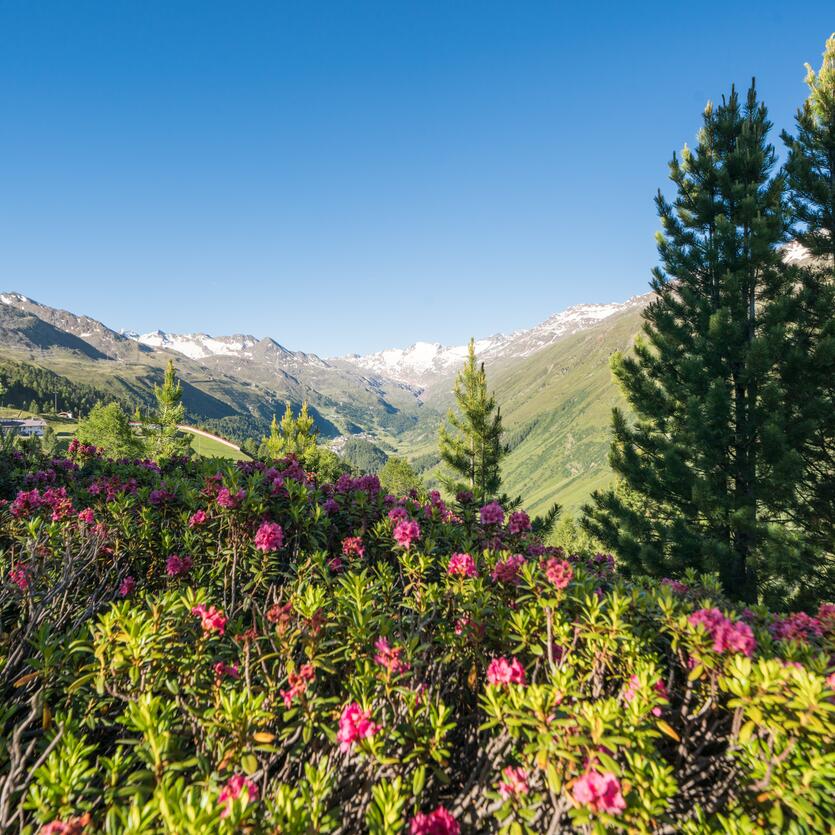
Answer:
(347, 176)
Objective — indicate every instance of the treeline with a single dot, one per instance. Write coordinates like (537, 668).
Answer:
(24, 386)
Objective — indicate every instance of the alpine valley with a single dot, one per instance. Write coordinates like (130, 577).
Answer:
(552, 381)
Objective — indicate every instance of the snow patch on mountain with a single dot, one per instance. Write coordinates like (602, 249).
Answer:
(198, 346)
(424, 362)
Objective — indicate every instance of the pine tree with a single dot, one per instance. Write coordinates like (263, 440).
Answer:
(471, 445)
(166, 440)
(701, 464)
(809, 373)
(292, 436)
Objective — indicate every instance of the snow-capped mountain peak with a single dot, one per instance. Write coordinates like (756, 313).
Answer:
(198, 345)
(426, 362)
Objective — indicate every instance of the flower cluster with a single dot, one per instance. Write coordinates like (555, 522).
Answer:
(354, 725)
(269, 537)
(236, 787)
(727, 636)
(502, 671)
(600, 792)
(462, 565)
(406, 532)
(390, 658)
(211, 619)
(559, 572)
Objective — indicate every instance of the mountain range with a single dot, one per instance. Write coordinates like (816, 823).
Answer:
(552, 381)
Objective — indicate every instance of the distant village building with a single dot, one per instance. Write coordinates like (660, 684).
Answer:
(27, 427)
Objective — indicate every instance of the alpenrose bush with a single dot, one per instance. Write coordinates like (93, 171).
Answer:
(192, 651)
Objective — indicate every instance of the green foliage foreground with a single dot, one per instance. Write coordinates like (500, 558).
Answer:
(191, 651)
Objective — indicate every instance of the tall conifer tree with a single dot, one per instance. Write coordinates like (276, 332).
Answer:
(809, 373)
(471, 445)
(699, 465)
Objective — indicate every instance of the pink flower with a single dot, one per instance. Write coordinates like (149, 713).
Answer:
(406, 532)
(73, 826)
(352, 546)
(389, 657)
(439, 822)
(298, 684)
(559, 572)
(508, 570)
(127, 586)
(354, 724)
(826, 616)
(269, 537)
(726, 635)
(197, 518)
(797, 627)
(235, 786)
(462, 565)
(492, 514)
(225, 498)
(211, 619)
(398, 514)
(515, 781)
(675, 585)
(87, 516)
(176, 565)
(222, 669)
(501, 671)
(830, 681)
(335, 564)
(601, 792)
(519, 522)
(20, 577)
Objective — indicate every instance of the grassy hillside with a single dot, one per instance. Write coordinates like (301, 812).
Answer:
(557, 408)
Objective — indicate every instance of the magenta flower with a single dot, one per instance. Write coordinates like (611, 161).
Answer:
(235, 787)
(197, 518)
(211, 619)
(600, 792)
(389, 657)
(354, 724)
(406, 532)
(352, 546)
(519, 522)
(492, 514)
(439, 822)
(675, 585)
(462, 565)
(269, 537)
(726, 635)
(225, 498)
(20, 577)
(298, 684)
(514, 781)
(797, 626)
(176, 566)
(507, 571)
(127, 586)
(87, 516)
(558, 572)
(222, 669)
(501, 672)
(398, 514)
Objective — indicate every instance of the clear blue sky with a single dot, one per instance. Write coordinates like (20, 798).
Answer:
(347, 176)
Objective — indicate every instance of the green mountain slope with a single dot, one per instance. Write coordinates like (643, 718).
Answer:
(556, 406)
